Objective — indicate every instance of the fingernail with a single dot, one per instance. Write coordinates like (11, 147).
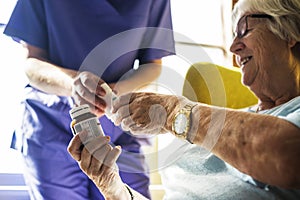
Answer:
(118, 147)
(107, 137)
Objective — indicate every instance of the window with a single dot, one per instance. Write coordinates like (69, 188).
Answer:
(12, 184)
(11, 84)
(6, 7)
(202, 34)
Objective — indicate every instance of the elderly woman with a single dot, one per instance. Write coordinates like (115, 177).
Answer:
(263, 143)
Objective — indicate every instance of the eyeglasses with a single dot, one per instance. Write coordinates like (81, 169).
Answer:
(242, 25)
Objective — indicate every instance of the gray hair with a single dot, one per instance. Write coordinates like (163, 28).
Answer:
(286, 15)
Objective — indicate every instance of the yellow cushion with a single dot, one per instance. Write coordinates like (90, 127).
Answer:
(216, 85)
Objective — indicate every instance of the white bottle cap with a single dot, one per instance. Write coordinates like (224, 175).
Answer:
(79, 110)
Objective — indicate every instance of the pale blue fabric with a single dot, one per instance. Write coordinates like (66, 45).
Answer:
(190, 175)
(289, 111)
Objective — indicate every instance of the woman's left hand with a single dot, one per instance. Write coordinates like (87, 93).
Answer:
(97, 159)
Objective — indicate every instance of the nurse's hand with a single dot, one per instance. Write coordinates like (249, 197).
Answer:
(146, 113)
(86, 90)
(97, 159)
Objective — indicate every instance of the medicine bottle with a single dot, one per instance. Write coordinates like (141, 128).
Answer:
(84, 120)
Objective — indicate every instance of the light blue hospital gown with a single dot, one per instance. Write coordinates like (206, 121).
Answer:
(189, 177)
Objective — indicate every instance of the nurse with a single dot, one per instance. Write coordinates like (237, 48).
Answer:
(73, 47)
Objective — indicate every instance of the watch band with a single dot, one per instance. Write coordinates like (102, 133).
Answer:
(186, 110)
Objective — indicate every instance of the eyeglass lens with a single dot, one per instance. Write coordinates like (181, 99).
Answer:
(241, 27)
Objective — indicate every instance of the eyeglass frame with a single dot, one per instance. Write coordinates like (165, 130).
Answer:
(237, 33)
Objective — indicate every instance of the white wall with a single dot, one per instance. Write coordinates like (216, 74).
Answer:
(12, 81)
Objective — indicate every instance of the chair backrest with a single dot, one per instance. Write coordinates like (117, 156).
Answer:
(216, 85)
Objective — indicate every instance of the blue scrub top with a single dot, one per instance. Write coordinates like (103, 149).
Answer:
(71, 31)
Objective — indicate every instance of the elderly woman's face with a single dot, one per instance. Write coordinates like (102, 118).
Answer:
(262, 56)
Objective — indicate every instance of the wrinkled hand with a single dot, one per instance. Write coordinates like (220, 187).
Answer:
(146, 113)
(87, 90)
(97, 159)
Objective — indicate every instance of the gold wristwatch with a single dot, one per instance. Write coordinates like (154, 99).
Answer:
(181, 123)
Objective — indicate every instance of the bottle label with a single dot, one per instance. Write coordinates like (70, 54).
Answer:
(91, 126)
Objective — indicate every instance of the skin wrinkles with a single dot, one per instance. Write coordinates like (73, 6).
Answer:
(279, 92)
(249, 73)
(269, 54)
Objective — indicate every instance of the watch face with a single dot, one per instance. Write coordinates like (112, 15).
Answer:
(180, 123)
